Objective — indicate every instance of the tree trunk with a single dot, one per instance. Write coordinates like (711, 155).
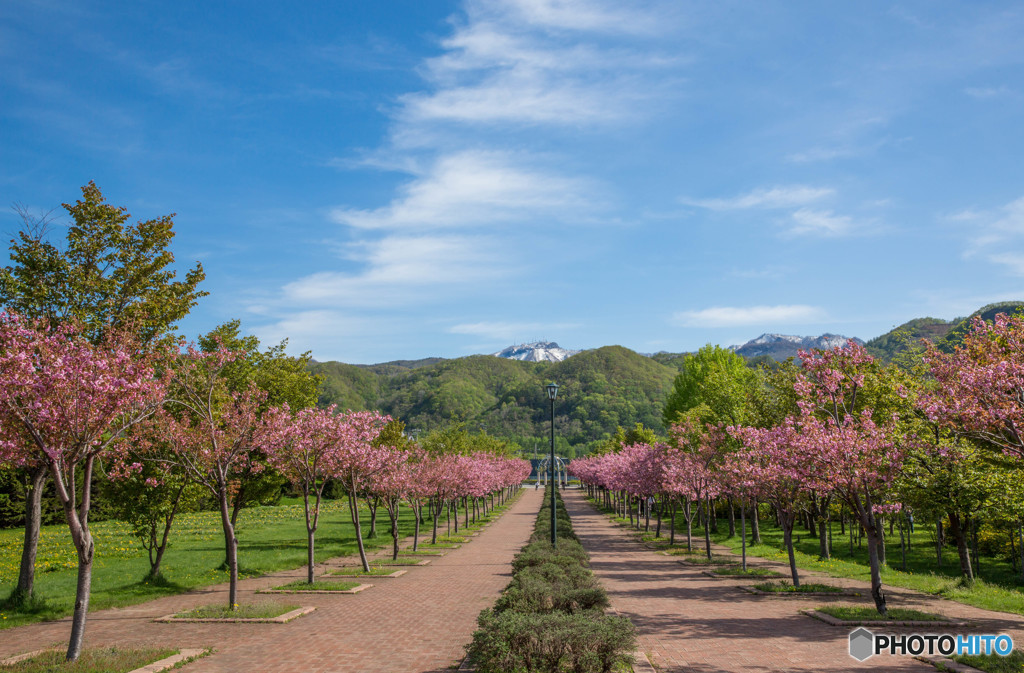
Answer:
(394, 532)
(353, 508)
(85, 555)
(373, 504)
(823, 546)
(755, 528)
(732, 519)
(154, 563)
(434, 517)
(787, 538)
(230, 546)
(688, 515)
(657, 529)
(956, 529)
(707, 529)
(417, 512)
(672, 521)
(30, 546)
(874, 544)
(743, 533)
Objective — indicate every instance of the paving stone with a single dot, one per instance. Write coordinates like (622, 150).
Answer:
(419, 623)
(690, 622)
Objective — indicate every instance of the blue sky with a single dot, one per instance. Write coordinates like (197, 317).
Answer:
(385, 180)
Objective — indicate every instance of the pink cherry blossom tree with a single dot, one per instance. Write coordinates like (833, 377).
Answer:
(359, 460)
(855, 453)
(64, 401)
(303, 447)
(691, 470)
(217, 437)
(980, 386)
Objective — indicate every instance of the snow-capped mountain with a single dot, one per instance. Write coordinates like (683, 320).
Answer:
(538, 351)
(781, 346)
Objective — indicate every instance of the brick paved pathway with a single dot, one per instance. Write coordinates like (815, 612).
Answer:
(694, 623)
(417, 623)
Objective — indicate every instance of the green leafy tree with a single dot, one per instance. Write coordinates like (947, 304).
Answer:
(715, 377)
(106, 274)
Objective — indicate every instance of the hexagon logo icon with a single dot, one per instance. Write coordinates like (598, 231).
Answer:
(862, 644)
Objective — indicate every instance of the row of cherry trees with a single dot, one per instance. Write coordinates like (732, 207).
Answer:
(166, 414)
(855, 433)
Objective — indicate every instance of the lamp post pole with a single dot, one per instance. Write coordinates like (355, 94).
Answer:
(552, 389)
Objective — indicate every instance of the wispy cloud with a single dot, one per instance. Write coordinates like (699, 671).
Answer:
(473, 188)
(400, 270)
(767, 197)
(996, 235)
(820, 222)
(766, 316)
(988, 92)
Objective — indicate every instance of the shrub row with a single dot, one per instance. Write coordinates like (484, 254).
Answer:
(550, 618)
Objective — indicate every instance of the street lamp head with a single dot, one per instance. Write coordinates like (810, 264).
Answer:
(552, 389)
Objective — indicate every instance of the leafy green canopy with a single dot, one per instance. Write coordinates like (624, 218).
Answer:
(716, 378)
(107, 273)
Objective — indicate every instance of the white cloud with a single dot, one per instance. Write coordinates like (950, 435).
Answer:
(733, 316)
(472, 189)
(767, 197)
(401, 270)
(820, 222)
(986, 92)
(994, 234)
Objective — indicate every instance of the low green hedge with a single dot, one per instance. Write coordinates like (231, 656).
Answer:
(551, 617)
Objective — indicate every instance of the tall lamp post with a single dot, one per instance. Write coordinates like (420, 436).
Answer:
(552, 389)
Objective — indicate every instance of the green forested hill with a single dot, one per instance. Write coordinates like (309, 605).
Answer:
(600, 390)
(943, 333)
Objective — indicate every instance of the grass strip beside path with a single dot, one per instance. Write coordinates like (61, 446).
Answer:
(993, 663)
(92, 660)
(785, 587)
(263, 610)
(851, 613)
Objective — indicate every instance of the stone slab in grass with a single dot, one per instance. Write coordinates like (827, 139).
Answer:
(281, 619)
(719, 575)
(423, 552)
(703, 562)
(835, 621)
(359, 573)
(944, 664)
(298, 590)
(403, 562)
(842, 593)
(155, 667)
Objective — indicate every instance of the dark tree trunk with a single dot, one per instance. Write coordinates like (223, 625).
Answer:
(156, 558)
(230, 546)
(30, 546)
(956, 529)
(353, 508)
(755, 527)
(787, 538)
(732, 519)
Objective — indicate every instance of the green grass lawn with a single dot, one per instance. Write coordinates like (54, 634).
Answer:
(92, 660)
(261, 610)
(993, 663)
(997, 586)
(785, 587)
(317, 585)
(269, 539)
(852, 614)
(358, 571)
(749, 572)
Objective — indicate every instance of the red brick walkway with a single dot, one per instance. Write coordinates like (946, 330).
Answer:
(690, 622)
(416, 623)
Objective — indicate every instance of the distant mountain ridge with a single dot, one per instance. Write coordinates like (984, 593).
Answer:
(782, 346)
(600, 388)
(537, 351)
